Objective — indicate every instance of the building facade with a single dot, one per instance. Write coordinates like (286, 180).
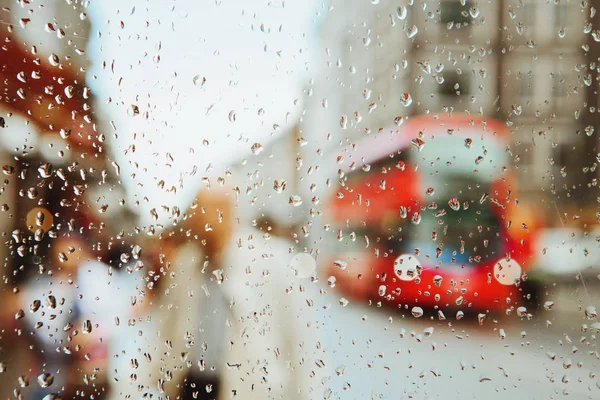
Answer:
(520, 61)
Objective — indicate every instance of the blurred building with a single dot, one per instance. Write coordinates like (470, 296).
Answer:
(521, 61)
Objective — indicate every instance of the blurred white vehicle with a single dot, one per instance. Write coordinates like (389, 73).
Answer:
(569, 251)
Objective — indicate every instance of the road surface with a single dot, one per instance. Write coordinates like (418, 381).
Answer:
(379, 353)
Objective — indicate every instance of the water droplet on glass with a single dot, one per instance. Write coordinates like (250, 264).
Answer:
(340, 264)
(86, 327)
(69, 91)
(520, 28)
(8, 169)
(23, 381)
(590, 312)
(53, 59)
(474, 12)
(412, 31)
(562, 32)
(406, 99)
(32, 193)
(331, 281)
(45, 380)
(425, 66)
(295, 200)
(417, 312)
(45, 170)
(257, 148)
(401, 12)
(344, 122)
(517, 109)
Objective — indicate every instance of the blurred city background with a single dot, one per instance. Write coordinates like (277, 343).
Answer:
(262, 144)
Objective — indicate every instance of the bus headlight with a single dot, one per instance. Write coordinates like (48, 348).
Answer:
(507, 272)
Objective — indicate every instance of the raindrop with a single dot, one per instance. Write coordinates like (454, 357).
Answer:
(45, 170)
(331, 281)
(279, 186)
(53, 59)
(406, 99)
(340, 264)
(65, 133)
(197, 79)
(51, 302)
(562, 33)
(401, 12)
(344, 122)
(8, 169)
(416, 218)
(136, 252)
(45, 379)
(590, 312)
(418, 143)
(517, 109)
(295, 200)
(69, 91)
(133, 110)
(425, 66)
(256, 148)
(474, 12)
(549, 305)
(454, 204)
(520, 28)
(23, 381)
(412, 31)
(417, 312)
(86, 327)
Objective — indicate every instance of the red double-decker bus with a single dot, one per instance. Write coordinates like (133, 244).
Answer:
(428, 214)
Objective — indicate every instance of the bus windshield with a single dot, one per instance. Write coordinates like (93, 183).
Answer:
(453, 223)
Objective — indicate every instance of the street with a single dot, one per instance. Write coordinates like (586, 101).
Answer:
(384, 353)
